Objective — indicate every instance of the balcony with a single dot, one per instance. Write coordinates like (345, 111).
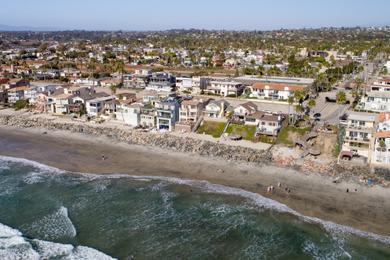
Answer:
(366, 129)
(358, 139)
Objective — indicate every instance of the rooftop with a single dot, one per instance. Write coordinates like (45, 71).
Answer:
(286, 80)
(277, 86)
(102, 99)
(361, 116)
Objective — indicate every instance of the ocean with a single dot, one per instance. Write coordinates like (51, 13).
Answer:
(48, 213)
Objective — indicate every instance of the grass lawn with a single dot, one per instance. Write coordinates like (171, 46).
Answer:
(246, 131)
(284, 134)
(212, 128)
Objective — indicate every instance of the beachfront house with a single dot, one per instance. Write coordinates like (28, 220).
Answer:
(101, 106)
(269, 124)
(381, 152)
(359, 134)
(128, 113)
(31, 94)
(15, 94)
(191, 110)
(241, 111)
(216, 109)
(167, 113)
(148, 115)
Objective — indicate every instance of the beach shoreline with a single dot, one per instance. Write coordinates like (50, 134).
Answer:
(313, 195)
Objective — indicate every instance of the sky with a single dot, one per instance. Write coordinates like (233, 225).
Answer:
(199, 14)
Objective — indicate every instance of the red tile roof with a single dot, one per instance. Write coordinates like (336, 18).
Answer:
(383, 134)
(384, 116)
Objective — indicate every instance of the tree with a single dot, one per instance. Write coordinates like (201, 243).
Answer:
(290, 101)
(341, 97)
(113, 89)
(311, 104)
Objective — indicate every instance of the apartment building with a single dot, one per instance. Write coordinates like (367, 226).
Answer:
(167, 113)
(191, 110)
(377, 97)
(225, 88)
(101, 106)
(274, 91)
(359, 134)
(381, 152)
(162, 82)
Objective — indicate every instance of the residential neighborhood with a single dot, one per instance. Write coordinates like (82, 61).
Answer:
(241, 96)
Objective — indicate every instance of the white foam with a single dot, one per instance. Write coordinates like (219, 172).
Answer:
(49, 250)
(13, 246)
(4, 166)
(56, 225)
(263, 202)
(34, 164)
(34, 177)
(257, 199)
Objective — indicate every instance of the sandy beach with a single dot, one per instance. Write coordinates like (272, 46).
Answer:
(366, 209)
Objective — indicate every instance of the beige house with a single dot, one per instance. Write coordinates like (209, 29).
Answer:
(191, 110)
(359, 134)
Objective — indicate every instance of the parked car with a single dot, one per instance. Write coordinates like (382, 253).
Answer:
(317, 115)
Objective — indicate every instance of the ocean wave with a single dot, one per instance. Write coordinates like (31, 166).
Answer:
(42, 167)
(14, 246)
(56, 225)
(263, 202)
(34, 178)
(259, 200)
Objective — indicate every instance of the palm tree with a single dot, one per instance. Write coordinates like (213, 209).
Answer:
(290, 101)
(341, 98)
(311, 104)
(113, 89)
(119, 66)
(92, 68)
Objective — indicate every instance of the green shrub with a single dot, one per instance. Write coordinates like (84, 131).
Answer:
(20, 104)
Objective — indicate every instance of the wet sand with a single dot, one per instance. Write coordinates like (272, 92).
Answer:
(367, 209)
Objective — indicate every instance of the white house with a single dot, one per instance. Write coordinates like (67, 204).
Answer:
(129, 114)
(245, 109)
(377, 97)
(388, 67)
(184, 84)
(359, 134)
(269, 124)
(101, 106)
(16, 94)
(216, 109)
(274, 91)
(381, 152)
(225, 88)
(191, 110)
(162, 81)
(60, 103)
